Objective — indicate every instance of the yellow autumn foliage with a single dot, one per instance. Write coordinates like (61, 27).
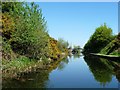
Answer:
(54, 50)
(7, 25)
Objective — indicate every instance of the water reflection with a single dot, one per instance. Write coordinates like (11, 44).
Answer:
(33, 80)
(63, 63)
(74, 70)
(76, 55)
(117, 70)
(38, 79)
(102, 69)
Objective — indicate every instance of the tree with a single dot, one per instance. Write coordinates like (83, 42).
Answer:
(30, 37)
(62, 44)
(9, 6)
(25, 29)
(101, 37)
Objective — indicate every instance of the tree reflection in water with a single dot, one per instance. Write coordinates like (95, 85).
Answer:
(76, 55)
(33, 80)
(102, 69)
(62, 64)
(38, 79)
(65, 61)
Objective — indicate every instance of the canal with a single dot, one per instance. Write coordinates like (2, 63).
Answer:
(72, 72)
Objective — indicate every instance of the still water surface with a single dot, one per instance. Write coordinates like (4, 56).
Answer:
(77, 74)
(73, 72)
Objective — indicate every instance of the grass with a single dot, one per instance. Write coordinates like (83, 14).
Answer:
(115, 53)
(22, 64)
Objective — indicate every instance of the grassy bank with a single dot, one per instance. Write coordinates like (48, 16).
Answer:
(15, 67)
(24, 65)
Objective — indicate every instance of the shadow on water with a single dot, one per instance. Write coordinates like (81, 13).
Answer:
(103, 69)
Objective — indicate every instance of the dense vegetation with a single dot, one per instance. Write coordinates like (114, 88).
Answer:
(25, 38)
(113, 48)
(27, 34)
(100, 38)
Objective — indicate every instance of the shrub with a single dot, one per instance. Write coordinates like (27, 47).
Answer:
(30, 37)
(62, 44)
(101, 37)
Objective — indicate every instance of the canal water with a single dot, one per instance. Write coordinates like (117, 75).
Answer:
(72, 72)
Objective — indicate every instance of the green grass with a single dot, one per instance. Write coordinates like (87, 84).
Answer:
(115, 53)
(21, 64)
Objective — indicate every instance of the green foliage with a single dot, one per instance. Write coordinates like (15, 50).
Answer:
(101, 37)
(7, 25)
(30, 37)
(25, 38)
(25, 29)
(7, 52)
(18, 65)
(8, 6)
(62, 44)
(113, 47)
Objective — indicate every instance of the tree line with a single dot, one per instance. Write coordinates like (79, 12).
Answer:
(24, 33)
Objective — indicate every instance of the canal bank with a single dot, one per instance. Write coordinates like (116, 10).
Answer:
(113, 57)
(23, 65)
(70, 72)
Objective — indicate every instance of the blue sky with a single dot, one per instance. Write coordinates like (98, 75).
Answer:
(76, 22)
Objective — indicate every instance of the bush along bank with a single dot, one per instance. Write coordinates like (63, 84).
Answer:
(103, 42)
(26, 43)
(113, 48)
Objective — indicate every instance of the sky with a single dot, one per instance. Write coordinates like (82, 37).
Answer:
(75, 22)
(68, 0)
